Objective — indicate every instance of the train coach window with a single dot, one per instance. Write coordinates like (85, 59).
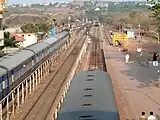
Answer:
(90, 70)
(89, 79)
(90, 75)
(87, 89)
(88, 119)
(86, 116)
(88, 95)
(87, 105)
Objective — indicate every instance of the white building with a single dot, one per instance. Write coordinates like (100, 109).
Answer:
(1, 37)
(1, 30)
(25, 39)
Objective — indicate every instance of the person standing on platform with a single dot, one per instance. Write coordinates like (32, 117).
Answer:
(143, 116)
(152, 117)
(127, 56)
(155, 56)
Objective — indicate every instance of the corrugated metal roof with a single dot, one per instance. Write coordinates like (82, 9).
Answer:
(12, 60)
(90, 94)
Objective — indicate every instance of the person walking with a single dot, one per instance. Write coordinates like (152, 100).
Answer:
(155, 56)
(147, 62)
(152, 117)
(140, 57)
(127, 56)
(143, 116)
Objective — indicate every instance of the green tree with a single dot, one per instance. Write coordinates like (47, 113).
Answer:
(133, 15)
(29, 28)
(37, 27)
(9, 41)
(155, 8)
(44, 27)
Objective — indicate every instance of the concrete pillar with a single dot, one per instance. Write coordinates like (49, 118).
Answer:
(26, 89)
(45, 67)
(36, 78)
(62, 98)
(22, 93)
(1, 111)
(39, 75)
(55, 114)
(13, 104)
(42, 71)
(30, 85)
(59, 105)
(33, 81)
(65, 47)
(64, 94)
(48, 64)
(8, 108)
(18, 98)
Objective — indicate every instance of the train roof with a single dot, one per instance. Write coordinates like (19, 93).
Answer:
(39, 46)
(54, 39)
(90, 97)
(50, 40)
(62, 34)
(11, 60)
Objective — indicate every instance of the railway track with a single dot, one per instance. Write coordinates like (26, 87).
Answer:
(107, 37)
(42, 106)
(95, 61)
(39, 108)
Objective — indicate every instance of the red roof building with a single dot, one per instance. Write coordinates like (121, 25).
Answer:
(17, 37)
(25, 39)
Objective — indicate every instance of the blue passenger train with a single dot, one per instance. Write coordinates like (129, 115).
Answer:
(14, 66)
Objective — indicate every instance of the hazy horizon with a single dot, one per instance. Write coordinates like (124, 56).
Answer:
(44, 1)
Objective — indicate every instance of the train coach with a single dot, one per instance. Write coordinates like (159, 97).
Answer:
(90, 97)
(15, 67)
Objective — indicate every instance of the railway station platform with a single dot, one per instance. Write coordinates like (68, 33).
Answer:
(132, 83)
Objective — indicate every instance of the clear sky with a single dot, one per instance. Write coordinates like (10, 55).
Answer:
(42, 1)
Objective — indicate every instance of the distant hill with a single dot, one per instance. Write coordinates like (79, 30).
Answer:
(19, 19)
